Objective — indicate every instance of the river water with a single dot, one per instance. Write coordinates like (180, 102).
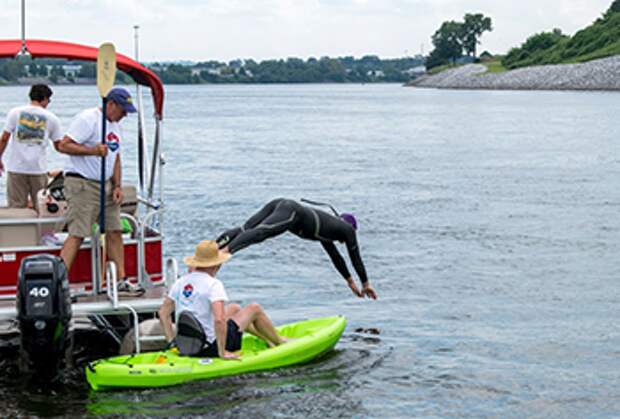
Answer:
(488, 225)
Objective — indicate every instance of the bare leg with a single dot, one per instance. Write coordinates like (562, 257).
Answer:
(70, 249)
(231, 310)
(254, 315)
(252, 330)
(114, 244)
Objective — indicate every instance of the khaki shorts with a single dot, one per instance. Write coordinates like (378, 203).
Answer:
(83, 207)
(20, 185)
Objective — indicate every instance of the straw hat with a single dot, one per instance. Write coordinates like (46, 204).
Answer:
(207, 254)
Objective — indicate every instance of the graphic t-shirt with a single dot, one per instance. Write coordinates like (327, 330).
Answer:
(195, 292)
(31, 128)
(85, 129)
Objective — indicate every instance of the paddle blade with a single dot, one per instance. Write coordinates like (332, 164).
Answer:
(106, 68)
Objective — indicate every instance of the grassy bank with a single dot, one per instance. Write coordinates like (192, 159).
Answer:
(494, 66)
(599, 40)
(440, 68)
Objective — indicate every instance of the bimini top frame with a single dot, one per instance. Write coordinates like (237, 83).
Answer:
(56, 49)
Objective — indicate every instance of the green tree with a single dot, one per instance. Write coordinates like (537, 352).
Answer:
(43, 71)
(447, 42)
(11, 69)
(88, 70)
(33, 69)
(614, 8)
(57, 71)
(473, 27)
(533, 47)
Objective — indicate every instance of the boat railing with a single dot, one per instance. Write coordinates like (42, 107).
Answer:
(171, 271)
(143, 227)
(171, 274)
(112, 293)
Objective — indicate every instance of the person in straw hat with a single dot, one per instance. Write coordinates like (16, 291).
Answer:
(204, 296)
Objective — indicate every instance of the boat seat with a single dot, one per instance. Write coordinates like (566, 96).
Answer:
(23, 234)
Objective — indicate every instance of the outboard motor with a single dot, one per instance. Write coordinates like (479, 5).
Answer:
(44, 314)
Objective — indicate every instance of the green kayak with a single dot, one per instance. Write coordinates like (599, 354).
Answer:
(312, 338)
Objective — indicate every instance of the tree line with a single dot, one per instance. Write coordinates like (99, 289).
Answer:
(51, 70)
(368, 69)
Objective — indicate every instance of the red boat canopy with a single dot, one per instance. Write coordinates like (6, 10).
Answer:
(55, 49)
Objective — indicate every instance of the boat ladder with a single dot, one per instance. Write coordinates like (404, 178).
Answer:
(171, 274)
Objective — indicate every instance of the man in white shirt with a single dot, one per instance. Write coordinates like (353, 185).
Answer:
(30, 129)
(82, 143)
(204, 296)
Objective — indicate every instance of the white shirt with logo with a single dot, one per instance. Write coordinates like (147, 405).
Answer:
(85, 129)
(195, 292)
(31, 128)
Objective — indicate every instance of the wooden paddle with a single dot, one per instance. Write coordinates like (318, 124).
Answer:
(106, 73)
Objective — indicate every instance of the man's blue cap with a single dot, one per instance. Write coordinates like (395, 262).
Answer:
(121, 96)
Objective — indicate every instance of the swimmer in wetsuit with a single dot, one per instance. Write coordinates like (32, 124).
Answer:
(281, 215)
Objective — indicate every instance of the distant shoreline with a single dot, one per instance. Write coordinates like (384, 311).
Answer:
(598, 75)
(91, 82)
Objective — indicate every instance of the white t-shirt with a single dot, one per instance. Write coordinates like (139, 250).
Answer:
(85, 129)
(31, 128)
(195, 292)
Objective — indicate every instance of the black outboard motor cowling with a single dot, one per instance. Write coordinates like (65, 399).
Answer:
(44, 314)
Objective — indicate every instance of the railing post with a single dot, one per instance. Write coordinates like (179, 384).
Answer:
(171, 271)
(162, 163)
(111, 280)
(95, 262)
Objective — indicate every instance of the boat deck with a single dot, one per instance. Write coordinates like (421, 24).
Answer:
(149, 302)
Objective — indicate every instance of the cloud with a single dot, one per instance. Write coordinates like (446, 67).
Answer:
(227, 29)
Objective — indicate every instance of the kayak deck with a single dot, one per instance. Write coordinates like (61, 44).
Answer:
(310, 339)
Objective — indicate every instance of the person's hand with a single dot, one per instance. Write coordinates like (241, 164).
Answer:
(100, 150)
(230, 356)
(369, 291)
(353, 287)
(117, 195)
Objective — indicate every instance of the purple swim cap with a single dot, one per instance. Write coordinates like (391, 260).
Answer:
(349, 218)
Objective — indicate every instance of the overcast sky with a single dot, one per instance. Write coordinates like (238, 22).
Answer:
(226, 29)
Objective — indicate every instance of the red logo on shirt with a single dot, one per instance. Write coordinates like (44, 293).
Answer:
(113, 141)
(188, 290)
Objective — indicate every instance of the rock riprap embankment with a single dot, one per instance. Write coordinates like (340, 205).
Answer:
(602, 74)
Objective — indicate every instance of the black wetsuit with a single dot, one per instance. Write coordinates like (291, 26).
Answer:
(282, 215)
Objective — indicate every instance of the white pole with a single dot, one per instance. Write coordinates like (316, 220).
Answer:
(135, 43)
(142, 151)
(23, 50)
